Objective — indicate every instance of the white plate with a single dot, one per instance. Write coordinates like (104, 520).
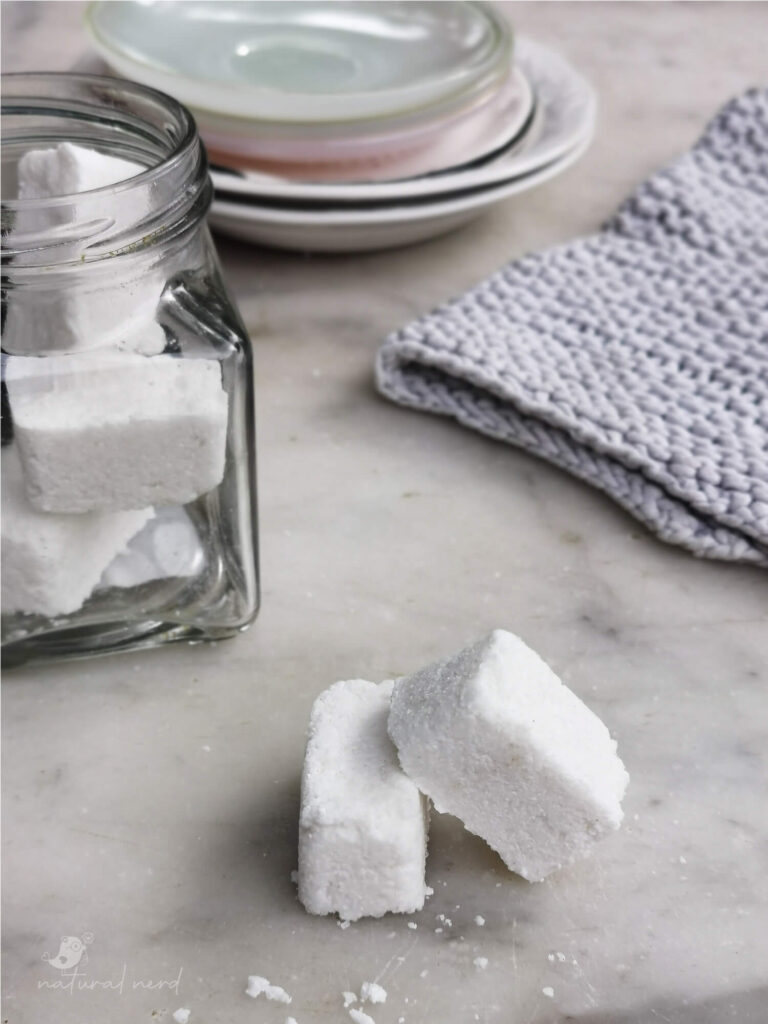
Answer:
(385, 152)
(307, 61)
(565, 113)
(350, 230)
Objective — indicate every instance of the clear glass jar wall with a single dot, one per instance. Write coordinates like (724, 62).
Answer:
(128, 460)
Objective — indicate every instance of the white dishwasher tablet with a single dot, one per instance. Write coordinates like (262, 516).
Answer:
(363, 823)
(111, 431)
(492, 736)
(51, 563)
(114, 304)
(67, 169)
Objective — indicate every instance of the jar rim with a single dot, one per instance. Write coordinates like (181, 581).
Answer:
(188, 136)
(116, 116)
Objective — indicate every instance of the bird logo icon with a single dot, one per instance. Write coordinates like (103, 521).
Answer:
(72, 951)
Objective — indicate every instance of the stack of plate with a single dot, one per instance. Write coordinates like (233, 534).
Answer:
(354, 125)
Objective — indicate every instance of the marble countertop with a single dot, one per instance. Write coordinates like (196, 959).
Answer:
(150, 800)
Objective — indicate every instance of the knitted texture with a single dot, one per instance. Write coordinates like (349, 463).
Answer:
(637, 358)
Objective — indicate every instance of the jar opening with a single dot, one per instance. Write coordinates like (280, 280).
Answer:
(114, 117)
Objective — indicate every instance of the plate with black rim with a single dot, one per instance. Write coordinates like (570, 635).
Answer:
(351, 229)
(565, 113)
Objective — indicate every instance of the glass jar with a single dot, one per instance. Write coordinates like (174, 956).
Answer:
(128, 460)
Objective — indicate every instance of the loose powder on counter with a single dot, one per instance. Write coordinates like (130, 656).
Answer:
(370, 992)
(360, 1017)
(258, 986)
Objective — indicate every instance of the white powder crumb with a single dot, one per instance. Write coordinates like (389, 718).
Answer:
(551, 957)
(429, 891)
(291, 1020)
(683, 860)
(258, 985)
(479, 920)
(349, 998)
(294, 877)
(548, 992)
(276, 994)
(343, 924)
(498, 885)
(370, 992)
(182, 1015)
(448, 923)
(424, 973)
(359, 1017)
(412, 924)
(480, 962)
(561, 957)
(401, 1020)
(438, 930)
(441, 917)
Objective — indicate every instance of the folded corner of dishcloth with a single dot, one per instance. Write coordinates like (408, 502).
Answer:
(636, 358)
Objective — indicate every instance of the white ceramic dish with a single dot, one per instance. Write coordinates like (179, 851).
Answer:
(414, 148)
(351, 230)
(565, 113)
(306, 61)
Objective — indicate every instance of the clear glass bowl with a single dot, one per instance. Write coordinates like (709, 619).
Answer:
(308, 61)
(129, 489)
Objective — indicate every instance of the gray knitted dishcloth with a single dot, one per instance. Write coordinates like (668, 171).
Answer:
(637, 358)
